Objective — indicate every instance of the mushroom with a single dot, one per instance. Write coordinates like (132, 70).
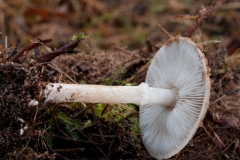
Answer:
(173, 100)
(178, 65)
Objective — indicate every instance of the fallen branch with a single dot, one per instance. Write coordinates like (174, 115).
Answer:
(203, 16)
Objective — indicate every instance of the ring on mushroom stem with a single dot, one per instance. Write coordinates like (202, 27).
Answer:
(173, 100)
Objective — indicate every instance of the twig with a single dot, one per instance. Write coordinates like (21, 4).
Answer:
(210, 136)
(164, 30)
(125, 68)
(225, 123)
(217, 100)
(56, 122)
(217, 137)
(105, 109)
(80, 112)
(149, 45)
(92, 142)
(14, 51)
(227, 147)
(74, 140)
(144, 68)
(35, 116)
(69, 150)
(96, 121)
(107, 136)
(122, 49)
(58, 156)
(128, 108)
(6, 42)
(203, 16)
(231, 92)
(1, 49)
(25, 146)
(236, 144)
(51, 65)
(28, 48)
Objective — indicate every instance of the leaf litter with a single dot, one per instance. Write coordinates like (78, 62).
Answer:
(102, 131)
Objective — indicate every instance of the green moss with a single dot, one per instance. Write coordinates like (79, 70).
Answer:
(79, 36)
(82, 82)
(117, 113)
(50, 129)
(107, 81)
(112, 115)
(85, 125)
(135, 124)
(68, 123)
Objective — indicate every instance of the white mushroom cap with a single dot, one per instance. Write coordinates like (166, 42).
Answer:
(178, 65)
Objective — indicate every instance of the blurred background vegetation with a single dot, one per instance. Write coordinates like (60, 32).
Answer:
(112, 22)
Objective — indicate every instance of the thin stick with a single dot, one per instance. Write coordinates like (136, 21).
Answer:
(164, 30)
(53, 66)
(6, 42)
(35, 116)
(69, 150)
(141, 70)
(203, 16)
(25, 146)
(128, 108)
(28, 48)
(92, 142)
(217, 100)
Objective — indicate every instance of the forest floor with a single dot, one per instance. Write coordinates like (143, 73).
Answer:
(123, 38)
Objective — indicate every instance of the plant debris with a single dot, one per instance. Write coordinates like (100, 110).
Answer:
(103, 131)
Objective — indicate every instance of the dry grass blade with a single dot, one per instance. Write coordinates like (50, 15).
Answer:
(164, 30)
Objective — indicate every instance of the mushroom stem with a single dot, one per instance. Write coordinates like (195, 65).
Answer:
(140, 95)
